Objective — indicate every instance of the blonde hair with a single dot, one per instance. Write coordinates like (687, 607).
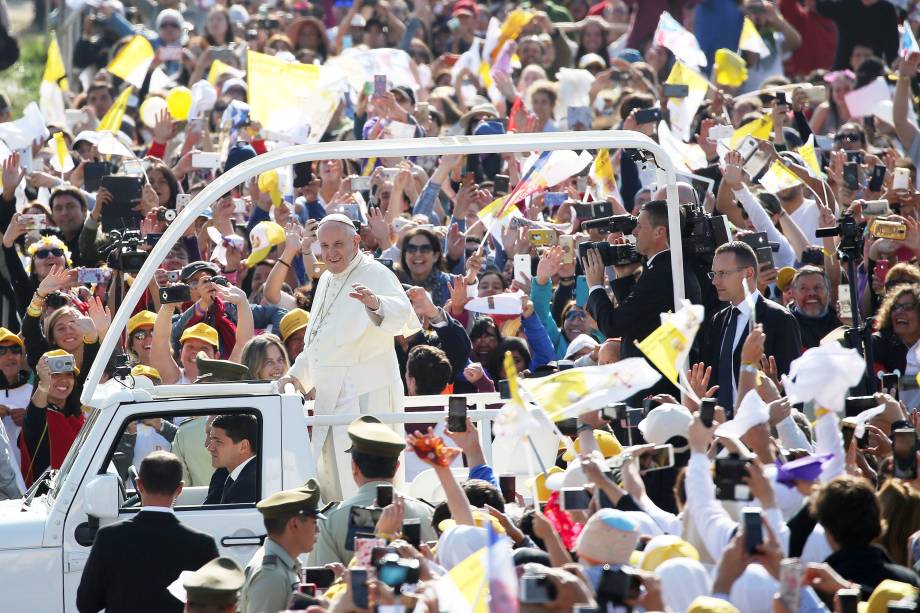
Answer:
(256, 350)
(50, 242)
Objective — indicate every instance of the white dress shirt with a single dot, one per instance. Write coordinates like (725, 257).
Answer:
(235, 473)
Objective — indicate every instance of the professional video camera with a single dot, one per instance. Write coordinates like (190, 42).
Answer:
(611, 255)
(608, 225)
(850, 234)
(123, 252)
(702, 232)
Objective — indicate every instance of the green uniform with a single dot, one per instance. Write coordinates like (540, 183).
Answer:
(330, 544)
(216, 584)
(189, 446)
(271, 576)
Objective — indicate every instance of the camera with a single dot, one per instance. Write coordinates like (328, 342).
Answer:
(730, 472)
(166, 215)
(611, 255)
(848, 230)
(703, 233)
(123, 251)
(56, 300)
(536, 589)
(396, 571)
(175, 293)
(614, 223)
(61, 363)
(173, 276)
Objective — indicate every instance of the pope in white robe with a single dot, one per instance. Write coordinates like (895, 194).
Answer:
(348, 356)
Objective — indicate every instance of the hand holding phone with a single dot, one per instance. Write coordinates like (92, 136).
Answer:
(456, 414)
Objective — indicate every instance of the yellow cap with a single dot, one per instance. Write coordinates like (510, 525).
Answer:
(543, 493)
(60, 353)
(142, 370)
(606, 442)
(142, 318)
(708, 604)
(887, 591)
(784, 277)
(294, 320)
(7, 336)
(480, 518)
(202, 332)
(663, 548)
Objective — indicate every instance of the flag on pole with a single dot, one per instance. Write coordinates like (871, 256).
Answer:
(219, 68)
(668, 346)
(54, 66)
(760, 129)
(731, 69)
(61, 160)
(132, 61)
(779, 178)
(751, 40)
(112, 118)
(53, 85)
(810, 156)
(683, 110)
(602, 174)
(510, 29)
(908, 40)
(683, 44)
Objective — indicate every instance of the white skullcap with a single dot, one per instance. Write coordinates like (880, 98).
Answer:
(336, 217)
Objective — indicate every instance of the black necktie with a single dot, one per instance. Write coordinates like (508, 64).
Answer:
(726, 368)
(227, 484)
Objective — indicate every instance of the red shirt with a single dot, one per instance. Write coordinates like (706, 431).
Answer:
(819, 39)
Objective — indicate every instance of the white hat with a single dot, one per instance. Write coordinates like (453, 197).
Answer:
(499, 304)
(752, 412)
(238, 14)
(336, 217)
(574, 476)
(580, 343)
(358, 21)
(231, 83)
(665, 422)
(172, 15)
(591, 58)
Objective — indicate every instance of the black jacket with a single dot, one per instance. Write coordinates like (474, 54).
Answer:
(869, 566)
(783, 340)
(244, 489)
(132, 563)
(813, 329)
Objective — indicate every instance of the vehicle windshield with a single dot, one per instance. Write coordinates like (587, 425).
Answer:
(61, 476)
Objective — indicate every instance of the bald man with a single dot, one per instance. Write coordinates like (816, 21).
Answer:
(348, 356)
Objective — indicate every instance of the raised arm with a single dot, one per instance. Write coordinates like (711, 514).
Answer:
(161, 356)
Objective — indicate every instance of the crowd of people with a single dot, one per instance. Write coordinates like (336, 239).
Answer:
(793, 125)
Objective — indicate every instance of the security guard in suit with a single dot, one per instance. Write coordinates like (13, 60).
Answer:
(213, 588)
(290, 518)
(375, 451)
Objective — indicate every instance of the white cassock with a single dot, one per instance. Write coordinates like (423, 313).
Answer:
(349, 357)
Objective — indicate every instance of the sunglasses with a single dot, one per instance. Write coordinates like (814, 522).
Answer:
(141, 335)
(849, 137)
(44, 253)
(903, 306)
(575, 314)
(169, 24)
(15, 350)
(410, 248)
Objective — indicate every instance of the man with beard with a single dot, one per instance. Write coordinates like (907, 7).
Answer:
(811, 296)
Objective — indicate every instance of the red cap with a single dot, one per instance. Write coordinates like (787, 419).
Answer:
(465, 6)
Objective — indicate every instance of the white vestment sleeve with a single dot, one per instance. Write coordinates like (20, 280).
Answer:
(711, 520)
(762, 223)
(300, 370)
(791, 436)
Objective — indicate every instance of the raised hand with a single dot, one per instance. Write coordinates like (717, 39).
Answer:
(365, 296)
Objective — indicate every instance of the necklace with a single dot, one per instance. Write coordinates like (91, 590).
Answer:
(321, 318)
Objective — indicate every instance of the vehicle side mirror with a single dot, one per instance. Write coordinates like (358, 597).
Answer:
(101, 496)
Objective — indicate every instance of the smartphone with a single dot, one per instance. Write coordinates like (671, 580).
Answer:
(501, 185)
(720, 132)
(843, 299)
(765, 258)
(816, 94)
(676, 90)
(359, 588)
(881, 228)
(33, 221)
(169, 53)
(901, 178)
(854, 405)
(508, 486)
(856, 156)
(707, 411)
(380, 84)
(661, 457)
(553, 200)
(126, 194)
(875, 208)
(504, 390)
(790, 581)
(360, 184)
(522, 268)
(182, 201)
(881, 269)
(412, 532)
(849, 600)
(92, 275)
(384, 495)
(891, 383)
(536, 589)
(175, 293)
(93, 173)
(847, 430)
(904, 460)
(579, 116)
(567, 242)
(781, 99)
(753, 529)
(581, 291)
(541, 237)
(208, 160)
(652, 115)
(575, 498)
(320, 576)
(456, 414)
(747, 147)
(878, 178)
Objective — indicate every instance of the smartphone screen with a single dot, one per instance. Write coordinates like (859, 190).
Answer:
(359, 587)
(905, 454)
(581, 291)
(384, 495)
(707, 411)
(661, 457)
(456, 414)
(380, 84)
(877, 178)
(851, 175)
(502, 184)
(320, 576)
(507, 484)
(575, 498)
(753, 529)
(412, 532)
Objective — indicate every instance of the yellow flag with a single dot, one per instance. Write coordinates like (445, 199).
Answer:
(511, 28)
(731, 69)
(683, 75)
(511, 374)
(485, 76)
(471, 579)
(218, 68)
(61, 162)
(759, 129)
(663, 348)
(751, 40)
(54, 67)
(808, 153)
(779, 178)
(112, 119)
(602, 174)
(132, 61)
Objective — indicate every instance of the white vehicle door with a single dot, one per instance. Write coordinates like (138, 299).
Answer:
(237, 528)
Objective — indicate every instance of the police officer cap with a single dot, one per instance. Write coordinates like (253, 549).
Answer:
(212, 371)
(216, 583)
(303, 500)
(370, 436)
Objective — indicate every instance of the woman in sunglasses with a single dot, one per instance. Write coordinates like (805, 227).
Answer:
(17, 390)
(897, 325)
(140, 337)
(421, 262)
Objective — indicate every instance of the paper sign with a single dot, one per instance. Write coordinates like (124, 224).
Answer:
(864, 101)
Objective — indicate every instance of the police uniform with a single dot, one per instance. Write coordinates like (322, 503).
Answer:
(216, 584)
(272, 574)
(370, 437)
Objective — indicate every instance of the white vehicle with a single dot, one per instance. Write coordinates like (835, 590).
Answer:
(45, 538)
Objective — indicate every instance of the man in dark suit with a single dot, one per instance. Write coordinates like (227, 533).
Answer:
(132, 562)
(639, 301)
(734, 264)
(233, 444)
